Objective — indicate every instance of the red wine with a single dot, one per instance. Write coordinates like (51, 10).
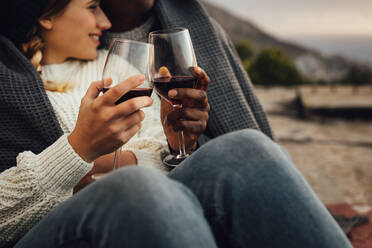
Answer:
(164, 84)
(133, 93)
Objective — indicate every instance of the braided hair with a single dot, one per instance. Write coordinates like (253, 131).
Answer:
(32, 48)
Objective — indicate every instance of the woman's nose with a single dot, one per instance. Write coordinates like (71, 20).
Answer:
(103, 22)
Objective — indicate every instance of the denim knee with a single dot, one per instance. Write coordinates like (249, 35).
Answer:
(256, 138)
(131, 176)
(247, 139)
(145, 186)
(132, 179)
(241, 147)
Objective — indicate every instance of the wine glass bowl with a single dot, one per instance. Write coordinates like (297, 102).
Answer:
(127, 58)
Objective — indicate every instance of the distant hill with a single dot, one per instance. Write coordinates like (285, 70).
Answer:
(311, 63)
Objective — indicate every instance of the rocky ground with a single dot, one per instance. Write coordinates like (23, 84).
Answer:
(334, 155)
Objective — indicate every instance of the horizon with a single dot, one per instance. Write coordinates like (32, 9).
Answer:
(323, 33)
(288, 18)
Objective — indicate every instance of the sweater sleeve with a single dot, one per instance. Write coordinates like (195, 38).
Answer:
(36, 185)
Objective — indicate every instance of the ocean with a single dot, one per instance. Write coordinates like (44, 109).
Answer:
(287, 19)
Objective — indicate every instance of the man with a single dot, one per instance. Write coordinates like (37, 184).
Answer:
(233, 106)
(233, 103)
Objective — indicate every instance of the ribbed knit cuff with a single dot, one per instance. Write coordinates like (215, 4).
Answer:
(60, 168)
(148, 159)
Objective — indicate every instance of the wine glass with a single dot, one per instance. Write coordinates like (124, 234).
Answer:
(127, 58)
(174, 60)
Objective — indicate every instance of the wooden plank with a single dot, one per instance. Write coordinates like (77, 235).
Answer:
(333, 97)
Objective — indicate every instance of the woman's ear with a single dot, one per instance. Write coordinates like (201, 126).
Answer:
(46, 24)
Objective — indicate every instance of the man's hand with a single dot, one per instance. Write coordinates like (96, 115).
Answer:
(103, 165)
(192, 117)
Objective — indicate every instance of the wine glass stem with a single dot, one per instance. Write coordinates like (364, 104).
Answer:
(181, 140)
(181, 145)
(117, 158)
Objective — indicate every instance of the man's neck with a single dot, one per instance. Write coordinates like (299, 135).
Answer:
(122, 23)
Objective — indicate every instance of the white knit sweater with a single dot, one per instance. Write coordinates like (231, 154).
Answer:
(39, 182)
(147, 144)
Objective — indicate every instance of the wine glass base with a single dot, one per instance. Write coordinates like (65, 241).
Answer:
(98, 176)
(174, 160)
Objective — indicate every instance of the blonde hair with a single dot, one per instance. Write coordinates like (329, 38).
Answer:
(32, 49)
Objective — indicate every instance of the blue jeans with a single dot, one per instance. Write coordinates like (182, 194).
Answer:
(253, 196)
(238, 190)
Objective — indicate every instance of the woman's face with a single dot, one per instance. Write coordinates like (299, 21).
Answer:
(74, 33)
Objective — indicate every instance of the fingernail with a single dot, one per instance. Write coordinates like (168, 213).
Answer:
(165, 122)
(141, 77)
(172, 93)
(107, 82)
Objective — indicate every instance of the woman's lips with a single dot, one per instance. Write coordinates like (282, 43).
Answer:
(95, 38)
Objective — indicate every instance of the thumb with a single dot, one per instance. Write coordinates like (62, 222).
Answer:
(164, 72)
(203, 79)
(95, 88)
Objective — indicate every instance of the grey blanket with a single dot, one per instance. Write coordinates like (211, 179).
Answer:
(27, 120)
(234, 104)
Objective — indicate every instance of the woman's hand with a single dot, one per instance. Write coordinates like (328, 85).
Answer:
(192, 117)
(102, 127)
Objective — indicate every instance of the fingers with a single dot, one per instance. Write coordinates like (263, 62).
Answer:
(198, 95)
(124, 128)
(190, 127)
(187, 114)
(203, 79)
(193, 116)
(164, 72)
(129, 133)
(116, 92)
(190, 97)
(134, 119)
(132, 105)
(94, 89)
(102, 126)
(187, 119)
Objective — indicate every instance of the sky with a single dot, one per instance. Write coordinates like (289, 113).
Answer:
(288, 18)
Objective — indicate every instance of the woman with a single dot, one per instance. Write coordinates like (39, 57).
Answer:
(133, 206)
(65, 29)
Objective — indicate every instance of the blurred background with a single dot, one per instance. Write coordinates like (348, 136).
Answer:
(311, 64)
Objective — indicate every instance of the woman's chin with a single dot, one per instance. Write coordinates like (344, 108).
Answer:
(88, 55)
